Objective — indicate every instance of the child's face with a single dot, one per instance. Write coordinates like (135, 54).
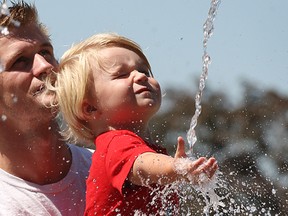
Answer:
(125, 91)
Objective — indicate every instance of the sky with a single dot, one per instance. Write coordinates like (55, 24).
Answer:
(249, 42)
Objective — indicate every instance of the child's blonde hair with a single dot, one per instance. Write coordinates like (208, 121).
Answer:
(72, 82)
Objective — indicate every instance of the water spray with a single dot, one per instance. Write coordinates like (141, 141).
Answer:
(4, 10)
(208, 28)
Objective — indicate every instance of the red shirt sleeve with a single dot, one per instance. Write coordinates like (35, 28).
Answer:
(122, 151)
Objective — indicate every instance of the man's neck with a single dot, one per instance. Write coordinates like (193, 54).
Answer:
(42, 158)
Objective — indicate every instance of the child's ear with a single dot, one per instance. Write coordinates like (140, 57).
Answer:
(89, 111)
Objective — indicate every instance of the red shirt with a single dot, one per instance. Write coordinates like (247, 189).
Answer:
(108, 192)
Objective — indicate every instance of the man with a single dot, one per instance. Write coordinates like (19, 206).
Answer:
(39, 173)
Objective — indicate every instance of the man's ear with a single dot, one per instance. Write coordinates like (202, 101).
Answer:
(89, 111)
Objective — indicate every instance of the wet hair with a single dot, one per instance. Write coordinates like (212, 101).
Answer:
(74, 80)
(24, 13)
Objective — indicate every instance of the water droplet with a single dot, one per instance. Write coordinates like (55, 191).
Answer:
(4, 30)
(4, 9)
(14, 98)
(16, 23)
(3, 118)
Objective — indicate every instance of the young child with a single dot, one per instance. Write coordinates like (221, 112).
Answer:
(107, 95)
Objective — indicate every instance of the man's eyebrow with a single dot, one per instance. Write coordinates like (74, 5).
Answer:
(18, 53)
(12, 57)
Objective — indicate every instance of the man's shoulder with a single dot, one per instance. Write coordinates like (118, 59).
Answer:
(81, 158)
(81, 153)
(82, 149)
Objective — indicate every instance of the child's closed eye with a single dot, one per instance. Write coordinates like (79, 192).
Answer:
(147, 73)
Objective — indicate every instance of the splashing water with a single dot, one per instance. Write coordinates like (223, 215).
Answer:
(207, 188)
(208, 28)
(226, 193)
(3, 118)
(5, 11)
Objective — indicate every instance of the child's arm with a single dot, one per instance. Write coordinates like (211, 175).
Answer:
(158, 168)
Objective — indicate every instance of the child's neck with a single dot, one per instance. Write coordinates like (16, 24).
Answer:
(141, 130)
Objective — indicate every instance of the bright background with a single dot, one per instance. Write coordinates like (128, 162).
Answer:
(249, 41)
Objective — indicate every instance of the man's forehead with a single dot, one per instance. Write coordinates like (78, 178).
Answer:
(9, 49)
(27, 32)
(12, 44)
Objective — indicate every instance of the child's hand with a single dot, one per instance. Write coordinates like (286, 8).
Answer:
(197, 171)
(201, 170)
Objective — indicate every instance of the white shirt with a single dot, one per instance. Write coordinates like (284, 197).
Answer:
(66, 197)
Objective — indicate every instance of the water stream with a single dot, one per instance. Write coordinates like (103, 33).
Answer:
(221, 195)
(208, 28)
(207, 189)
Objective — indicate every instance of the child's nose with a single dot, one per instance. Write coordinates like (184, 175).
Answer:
(140, 76)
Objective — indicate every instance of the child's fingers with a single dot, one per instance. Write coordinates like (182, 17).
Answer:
(210, 167)
(198, 165)
(180, 151)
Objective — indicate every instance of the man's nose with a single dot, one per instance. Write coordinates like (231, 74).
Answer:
(41, 66)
